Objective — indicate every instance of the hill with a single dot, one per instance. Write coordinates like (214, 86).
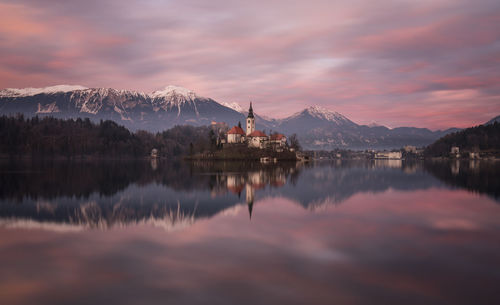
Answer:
(52, 137)
(482, 138)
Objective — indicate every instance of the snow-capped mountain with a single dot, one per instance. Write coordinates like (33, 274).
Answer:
(375, 124)
(316, 127)
(324, 114)
(235, 106)
(157, 111)
(321, 128)
(315, 117)
(13, 92)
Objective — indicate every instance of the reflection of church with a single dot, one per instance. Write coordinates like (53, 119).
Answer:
(255, 180)
(250, 195)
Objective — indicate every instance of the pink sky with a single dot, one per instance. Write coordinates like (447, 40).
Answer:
(423, 63)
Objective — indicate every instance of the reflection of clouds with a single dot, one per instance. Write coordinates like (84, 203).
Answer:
(374, 247)
(455, 224)
(232, 211)
(317, 250)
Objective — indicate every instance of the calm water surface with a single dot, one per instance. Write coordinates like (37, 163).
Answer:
(229, 233)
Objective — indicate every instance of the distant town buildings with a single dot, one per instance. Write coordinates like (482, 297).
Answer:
(390, 155)
(154, 153)
(410, 149)
(474, 155)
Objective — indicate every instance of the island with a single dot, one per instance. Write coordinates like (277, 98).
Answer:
(249, 144)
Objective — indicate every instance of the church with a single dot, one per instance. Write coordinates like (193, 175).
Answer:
(254, 138)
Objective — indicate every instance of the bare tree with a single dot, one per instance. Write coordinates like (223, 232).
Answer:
(293, 142)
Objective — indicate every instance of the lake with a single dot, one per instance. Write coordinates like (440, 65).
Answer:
(332, 232)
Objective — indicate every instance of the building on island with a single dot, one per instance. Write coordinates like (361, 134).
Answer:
(255, 138)
(235, 135)
(277, 140)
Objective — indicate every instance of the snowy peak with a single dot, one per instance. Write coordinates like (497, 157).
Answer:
(376, 124)
(325, 114)
(321, 113)
(174, 91)
(14, 92)
(235, 106)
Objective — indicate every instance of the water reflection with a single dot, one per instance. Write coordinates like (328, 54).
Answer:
(477, 176)
(325, 233)
(78, 195)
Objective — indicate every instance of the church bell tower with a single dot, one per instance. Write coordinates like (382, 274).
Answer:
(250, 120)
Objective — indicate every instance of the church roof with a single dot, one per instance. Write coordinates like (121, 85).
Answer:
(257, 133)
(236, 130)
(277, 137)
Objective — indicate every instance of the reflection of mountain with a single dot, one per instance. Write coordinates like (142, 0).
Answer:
(102, 195)
(107, 194)
(336, 182)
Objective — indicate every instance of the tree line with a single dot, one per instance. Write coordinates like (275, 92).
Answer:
(482, 138)
(49, 137)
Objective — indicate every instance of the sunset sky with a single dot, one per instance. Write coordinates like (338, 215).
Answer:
(427, 63)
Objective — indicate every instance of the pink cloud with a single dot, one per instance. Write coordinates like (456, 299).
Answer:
(349, 57)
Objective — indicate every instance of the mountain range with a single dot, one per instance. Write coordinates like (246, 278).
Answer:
(316, 127)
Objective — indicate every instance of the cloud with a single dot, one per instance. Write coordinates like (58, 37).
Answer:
(370, 61)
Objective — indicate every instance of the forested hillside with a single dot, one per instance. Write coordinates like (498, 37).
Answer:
(51, 137)
(484, 138)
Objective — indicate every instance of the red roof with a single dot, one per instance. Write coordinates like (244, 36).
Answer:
(257, 133)
(277, 137)
(236, 189)
(236, 130)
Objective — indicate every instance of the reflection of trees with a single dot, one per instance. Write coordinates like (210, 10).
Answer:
(479, 176)
(55, 179)
(103, 194)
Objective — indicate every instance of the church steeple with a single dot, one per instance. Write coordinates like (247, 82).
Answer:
(250, 111)
(250, 121)
(250, 194)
